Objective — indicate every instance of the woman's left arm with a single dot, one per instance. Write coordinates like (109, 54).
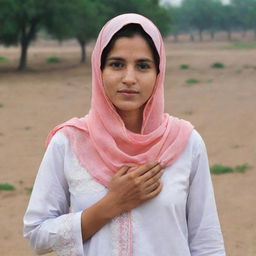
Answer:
(204, 232)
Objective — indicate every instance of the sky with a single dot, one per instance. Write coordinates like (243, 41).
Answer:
(176, 2)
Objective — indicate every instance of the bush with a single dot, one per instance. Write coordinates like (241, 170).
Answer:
(3, 59)
(184, 66)
(192, 81)
(6, 186)
(219, 169)
(242, 167)
(218, 65)
(53, 59)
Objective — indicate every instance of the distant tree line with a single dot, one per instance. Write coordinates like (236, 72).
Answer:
(21, 20)
(212, 16)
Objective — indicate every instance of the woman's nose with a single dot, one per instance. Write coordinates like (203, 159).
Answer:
(129, 77)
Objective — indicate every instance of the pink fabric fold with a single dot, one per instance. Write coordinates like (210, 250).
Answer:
(101, 141)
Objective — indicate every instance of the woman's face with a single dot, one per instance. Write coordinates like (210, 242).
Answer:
(129, 74)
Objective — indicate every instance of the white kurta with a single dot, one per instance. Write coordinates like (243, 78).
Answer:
(181, 221)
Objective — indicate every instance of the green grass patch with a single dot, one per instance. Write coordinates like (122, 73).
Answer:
(184, 66)
(192, 81)
(3, 59)
(242, 45)
(1, 105)
(221, 169)
(29, 190)
(218, 65)
(242, 167)
(6, 186)
(53, 59)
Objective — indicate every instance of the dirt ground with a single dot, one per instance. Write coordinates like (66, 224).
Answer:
(222, 107)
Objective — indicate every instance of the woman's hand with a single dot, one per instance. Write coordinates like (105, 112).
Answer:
(132, 186)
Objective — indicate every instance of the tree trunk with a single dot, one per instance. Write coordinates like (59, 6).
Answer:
(244, 33)
(192, 39)
(201, 34)
(229, 35)
(83, 50)
(27, 35)
(23, 55)
(212, 35)
(176, 38)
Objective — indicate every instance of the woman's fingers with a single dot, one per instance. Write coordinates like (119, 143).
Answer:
(154, 192)
(142, 169)
(153, 179)
(151, 187)
(151, 173)
(123, 170)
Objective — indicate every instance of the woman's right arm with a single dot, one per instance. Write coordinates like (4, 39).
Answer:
(127, 190)
(48, 225)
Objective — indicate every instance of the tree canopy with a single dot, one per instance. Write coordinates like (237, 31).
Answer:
(213, 15)
(81, 19)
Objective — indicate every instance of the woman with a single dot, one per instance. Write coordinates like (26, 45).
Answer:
(126, 179)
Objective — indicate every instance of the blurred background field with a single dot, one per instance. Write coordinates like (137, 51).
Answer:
(209, 81)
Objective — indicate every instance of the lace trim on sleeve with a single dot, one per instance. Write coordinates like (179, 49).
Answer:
(65, 244)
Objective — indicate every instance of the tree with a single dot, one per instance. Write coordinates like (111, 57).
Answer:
(245, 11)
(149, 8)
(201, 14)
(227, 19)
(178, 22)
(21, 20)
(90, 17)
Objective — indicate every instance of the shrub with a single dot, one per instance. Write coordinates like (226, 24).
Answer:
(3, 59)
(6, 186)
(53, 59)
(219, 169)
(184, 66)
(218, 65)
(242, 167)
(192, 81)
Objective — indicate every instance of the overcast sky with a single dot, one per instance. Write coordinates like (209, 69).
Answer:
(176, 2)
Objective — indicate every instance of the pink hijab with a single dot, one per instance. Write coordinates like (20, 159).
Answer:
(101, 141)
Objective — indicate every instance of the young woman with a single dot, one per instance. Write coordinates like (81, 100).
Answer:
(127, 179)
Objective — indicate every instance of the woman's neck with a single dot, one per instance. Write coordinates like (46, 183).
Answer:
(132, 121)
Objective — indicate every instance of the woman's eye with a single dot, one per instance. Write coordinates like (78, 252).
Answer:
(143, 66)
(116, 64)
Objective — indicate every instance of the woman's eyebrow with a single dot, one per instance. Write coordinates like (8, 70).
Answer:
(115, 58)
(145, 60)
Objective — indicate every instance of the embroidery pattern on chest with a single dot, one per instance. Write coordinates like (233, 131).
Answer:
(79, 179)
(121, 229)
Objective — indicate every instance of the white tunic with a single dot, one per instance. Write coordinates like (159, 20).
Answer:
(181, 221)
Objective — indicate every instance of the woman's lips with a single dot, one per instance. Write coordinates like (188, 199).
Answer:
(128, 93)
